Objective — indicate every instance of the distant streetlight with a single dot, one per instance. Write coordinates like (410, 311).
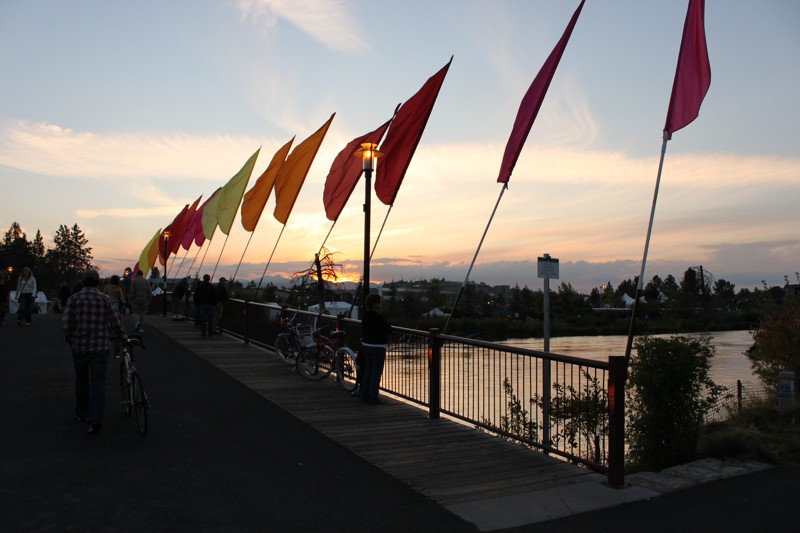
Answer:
(166, 258)
(10, 270)
(368, 155)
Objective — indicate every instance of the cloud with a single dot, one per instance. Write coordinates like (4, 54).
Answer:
(328, 21)
(57, 151)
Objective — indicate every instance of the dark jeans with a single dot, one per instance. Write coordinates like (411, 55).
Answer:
(25, 307)
(90, 384)
(206, 314)
(373, 370)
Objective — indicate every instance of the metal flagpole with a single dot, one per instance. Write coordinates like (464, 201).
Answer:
(219, 256)
(269, 261)
(181, 265)
(241, 258)
(380, 232)
(475, 257)
(639, 285)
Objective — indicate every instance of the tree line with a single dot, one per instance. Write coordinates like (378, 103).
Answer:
(69, 255)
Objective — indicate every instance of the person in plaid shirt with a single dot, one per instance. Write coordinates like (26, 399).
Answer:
(88, 317)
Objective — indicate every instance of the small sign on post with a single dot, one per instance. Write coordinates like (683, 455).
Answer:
(547, 267)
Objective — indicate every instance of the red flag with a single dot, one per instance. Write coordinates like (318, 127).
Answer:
(183, 227)
(693, 74)
(194, 231)
(532, 101)
(404, 135)
(345, 171)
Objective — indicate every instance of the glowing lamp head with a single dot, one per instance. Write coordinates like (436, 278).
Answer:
(368, 154)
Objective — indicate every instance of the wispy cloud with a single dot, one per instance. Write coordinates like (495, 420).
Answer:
(331, 22)
(57, 151)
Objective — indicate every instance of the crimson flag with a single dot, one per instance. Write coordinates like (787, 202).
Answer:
(404, 136)
(345, 171)
(183, 228)
(693, 73)
(532, 101)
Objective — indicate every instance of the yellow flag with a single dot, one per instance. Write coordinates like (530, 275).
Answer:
(209, 219)
(256, 198)
(293, 172)
(231, 195)
(149, 254)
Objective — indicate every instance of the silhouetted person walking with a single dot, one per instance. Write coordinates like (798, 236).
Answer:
(87, 318)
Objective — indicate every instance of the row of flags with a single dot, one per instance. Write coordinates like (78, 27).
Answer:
(397, 139)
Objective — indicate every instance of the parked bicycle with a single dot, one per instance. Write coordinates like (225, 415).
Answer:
(329, 353)
(134, 396)
(292, 340)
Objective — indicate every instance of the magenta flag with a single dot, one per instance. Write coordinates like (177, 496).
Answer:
(404, 135)
(345, 171)
(532, 101)
(693, 74)
(194, 230)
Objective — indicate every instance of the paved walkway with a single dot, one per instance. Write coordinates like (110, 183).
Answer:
(221, 457)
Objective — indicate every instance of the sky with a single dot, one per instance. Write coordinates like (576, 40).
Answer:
(114, 115)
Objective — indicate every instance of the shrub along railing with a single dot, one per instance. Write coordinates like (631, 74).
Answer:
(565, 406)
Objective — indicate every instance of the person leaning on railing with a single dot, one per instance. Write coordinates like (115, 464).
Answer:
(375, 332)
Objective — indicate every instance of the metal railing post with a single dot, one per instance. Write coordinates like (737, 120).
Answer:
(244, 320)
(434, 373)
(617, 374)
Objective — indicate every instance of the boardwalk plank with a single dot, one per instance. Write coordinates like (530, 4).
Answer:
(446, 460)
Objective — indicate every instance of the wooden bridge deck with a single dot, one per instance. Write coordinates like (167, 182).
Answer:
(448, 462)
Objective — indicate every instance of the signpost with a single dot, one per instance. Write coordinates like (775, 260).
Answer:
(547, 268)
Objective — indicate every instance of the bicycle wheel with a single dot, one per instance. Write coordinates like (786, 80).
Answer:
(312, 366)
(140, 403)
(125, 388)
(286, 349)
(346, 369)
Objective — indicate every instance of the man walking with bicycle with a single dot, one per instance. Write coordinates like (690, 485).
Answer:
(88, 316)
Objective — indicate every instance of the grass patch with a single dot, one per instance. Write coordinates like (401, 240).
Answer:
(759, 432)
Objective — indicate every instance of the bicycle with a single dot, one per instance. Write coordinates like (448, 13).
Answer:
(326, 355)
(134, 396)
(292, 341)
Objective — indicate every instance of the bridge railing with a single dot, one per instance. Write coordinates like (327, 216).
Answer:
(562, 405)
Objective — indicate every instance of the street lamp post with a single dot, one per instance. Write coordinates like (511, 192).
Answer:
(368, 154)
(166, 259)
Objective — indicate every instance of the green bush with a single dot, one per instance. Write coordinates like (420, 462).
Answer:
(668, 396)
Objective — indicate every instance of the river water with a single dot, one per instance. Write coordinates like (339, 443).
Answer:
(728, 365)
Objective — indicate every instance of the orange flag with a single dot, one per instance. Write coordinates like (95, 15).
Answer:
(231, 195)
(293, 172)
(256, 198)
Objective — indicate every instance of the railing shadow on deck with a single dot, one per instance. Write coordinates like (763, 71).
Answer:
(565, 406)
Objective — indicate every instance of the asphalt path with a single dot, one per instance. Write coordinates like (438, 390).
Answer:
(217, 456)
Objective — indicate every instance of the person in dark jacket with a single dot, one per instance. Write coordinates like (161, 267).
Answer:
(375, 332)
(205, 298)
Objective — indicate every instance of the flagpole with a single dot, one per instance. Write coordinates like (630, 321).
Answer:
(189, 270)
(475, 257)
(181, 265)
(269, 261)
(629, 344)
(219, 256)
(380, 232)
(203, 260)
(241, 258)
